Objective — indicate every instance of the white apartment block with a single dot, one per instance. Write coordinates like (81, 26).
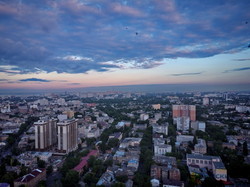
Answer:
(45, 134)
(67, 136)
(182, 123)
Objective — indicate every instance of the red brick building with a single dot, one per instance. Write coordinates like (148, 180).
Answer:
(184, 111)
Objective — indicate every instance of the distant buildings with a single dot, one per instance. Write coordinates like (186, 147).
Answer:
(183, 123)
(184, 138)
(67, 136)
(144, 117)
(205, 101)
(184, 111)
(182, 115)
(156, 106)
(160, 128)
(198, 125)
(45, 134)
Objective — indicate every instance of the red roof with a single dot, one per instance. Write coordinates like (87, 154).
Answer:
(84, 160)
(227, 182)
(30, 176)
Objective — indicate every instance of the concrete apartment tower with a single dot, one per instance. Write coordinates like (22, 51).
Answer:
(184, 111)
(67, 136)
(45, 134)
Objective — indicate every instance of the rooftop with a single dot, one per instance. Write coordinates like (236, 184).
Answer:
(30, 176)
(84, 161)
(204, 157)
(219, 165)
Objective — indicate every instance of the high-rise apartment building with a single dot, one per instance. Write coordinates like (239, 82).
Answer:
(67, 135)
(45, 134)
(184, 111)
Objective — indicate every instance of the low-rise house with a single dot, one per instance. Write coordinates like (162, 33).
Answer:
(228, 145)
(133, 163)
(162, 149)
(106, 179)
(156, 172)
(219, 171)
(172, 183)
(184, 138)
(4, 185)
(155, 183)
(174, 174)
(119, 156)
(130, 142)
(31, 179)
(140, 126)
(200, 147)
(117, 135)
(212, 163)
(161, 128)
(165, 160)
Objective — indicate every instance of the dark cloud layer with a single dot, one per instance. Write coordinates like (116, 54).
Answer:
(185, 74)
(75, 36)
(237, 69)
(34, 80)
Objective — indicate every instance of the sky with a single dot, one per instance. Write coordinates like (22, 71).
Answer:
(53, 44)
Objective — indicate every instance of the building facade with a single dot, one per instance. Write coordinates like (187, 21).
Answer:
(184, 111)
(67, 136)
(45, 134)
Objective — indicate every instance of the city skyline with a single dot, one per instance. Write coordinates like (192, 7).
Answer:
(76, 44)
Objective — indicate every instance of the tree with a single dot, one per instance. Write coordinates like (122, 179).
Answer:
(23, 171)
(90, 141)
(88, 178)
(195, 140)
(122, 178)
(41, 163)
(49, 169)
(245, 150)
(42, 183)
(71, 179)
(118, 184)
(209, 181)
(2, 169)
(113, 142)
(9, 177)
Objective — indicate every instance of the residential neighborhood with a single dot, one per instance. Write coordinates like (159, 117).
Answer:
(125, 139)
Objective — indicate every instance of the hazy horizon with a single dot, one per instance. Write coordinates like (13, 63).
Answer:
(153, 88)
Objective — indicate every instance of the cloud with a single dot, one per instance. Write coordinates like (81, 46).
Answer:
(242, 59)
(34, 80)
(74, 84)
(186, 74)
(74, 36)
(3, 80)
(237, 69)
